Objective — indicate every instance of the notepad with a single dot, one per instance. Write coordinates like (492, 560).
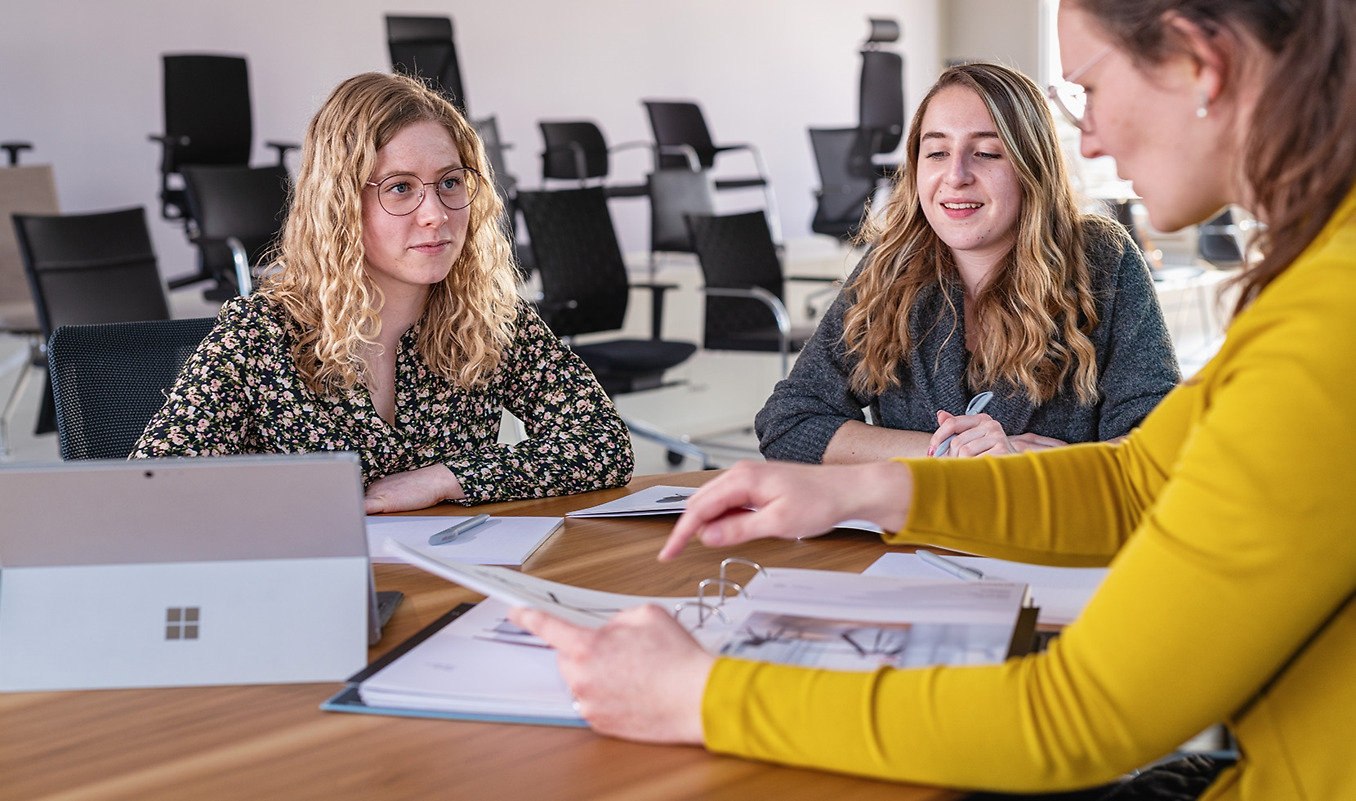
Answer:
(658, 500)
(497, 541)
(664, 500)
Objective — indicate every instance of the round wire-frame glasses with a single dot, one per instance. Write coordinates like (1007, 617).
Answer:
(400, 194)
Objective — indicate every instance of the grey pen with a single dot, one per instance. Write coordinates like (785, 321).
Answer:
(452, 532)
(976, 405)
(947, 566)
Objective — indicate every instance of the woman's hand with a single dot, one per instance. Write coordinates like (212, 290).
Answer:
(975, 435)
(754, 500)
(413, 489)
(981, 435)
(641, 676)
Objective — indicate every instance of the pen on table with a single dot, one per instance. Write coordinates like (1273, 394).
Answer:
(452, 532)
(946, 565)
(976, 405)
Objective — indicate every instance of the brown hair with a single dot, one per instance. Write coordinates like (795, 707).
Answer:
(1038, 309)
(1301, 147)
(467, 323)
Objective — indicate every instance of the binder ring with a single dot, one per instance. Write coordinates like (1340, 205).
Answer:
(703, 610)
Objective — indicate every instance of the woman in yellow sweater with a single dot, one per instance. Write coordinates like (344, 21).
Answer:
(1228, 518)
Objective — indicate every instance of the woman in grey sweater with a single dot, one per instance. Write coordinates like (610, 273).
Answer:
(983, 276)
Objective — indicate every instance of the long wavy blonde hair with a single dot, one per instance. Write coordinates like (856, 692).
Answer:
(1037, 311)
(321, 280)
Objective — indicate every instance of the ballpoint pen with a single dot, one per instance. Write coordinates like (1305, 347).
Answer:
(947, 566)
(452, 532)
(976, 405)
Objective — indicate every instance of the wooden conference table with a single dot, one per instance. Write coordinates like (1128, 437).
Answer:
(273, 742)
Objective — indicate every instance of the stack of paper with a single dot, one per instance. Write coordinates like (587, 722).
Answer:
(1060, 592)
(480, 666)
(658, 500)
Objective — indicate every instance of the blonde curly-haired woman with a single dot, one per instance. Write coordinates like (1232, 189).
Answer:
(391, 326)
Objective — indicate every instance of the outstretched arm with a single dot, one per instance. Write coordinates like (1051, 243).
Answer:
(756, 500)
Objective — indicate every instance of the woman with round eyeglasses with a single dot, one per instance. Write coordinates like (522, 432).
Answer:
(390, 325)
(1227, 518)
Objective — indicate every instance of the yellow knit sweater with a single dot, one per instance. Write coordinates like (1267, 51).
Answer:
(1229, 521)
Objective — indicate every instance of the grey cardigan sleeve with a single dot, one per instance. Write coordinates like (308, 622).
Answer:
(808, 407)
(1136, 365)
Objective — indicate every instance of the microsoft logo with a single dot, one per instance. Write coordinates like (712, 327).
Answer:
(181, 623)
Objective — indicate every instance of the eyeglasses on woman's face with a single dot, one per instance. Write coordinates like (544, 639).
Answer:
(402, 193)
(1071, 99)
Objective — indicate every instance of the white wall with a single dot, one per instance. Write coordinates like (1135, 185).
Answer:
(1007, 31)
(81, 79)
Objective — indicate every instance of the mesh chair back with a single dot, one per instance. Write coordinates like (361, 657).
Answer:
(207, 101)
(846, 179)
(574, 151)
(423, 47)
(246, 203)
(583, 276)
(109, 380)
(91, 268)
(736, 251)
(880, 103)
(680, 123)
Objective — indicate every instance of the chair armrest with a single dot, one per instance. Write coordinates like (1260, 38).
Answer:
(773, 303)
(753, 151)
(822, 279)
(634, 145)
(282, 148)
(656, 306)
(688, 152)
(240, 260)
(757, 293)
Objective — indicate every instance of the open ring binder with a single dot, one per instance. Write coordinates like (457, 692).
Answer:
(722, 583)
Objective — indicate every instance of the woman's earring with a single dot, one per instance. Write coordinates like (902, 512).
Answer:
(1204, 108)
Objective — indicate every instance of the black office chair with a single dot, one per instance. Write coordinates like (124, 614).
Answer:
(422, 47)
(745, 287)
(577, 152)
(585, 290)
(847, 181)
(208, 121)
(240, 212)
(89, 268)
(682, 139)
(109, 380)
(880, 97)
(28, 189)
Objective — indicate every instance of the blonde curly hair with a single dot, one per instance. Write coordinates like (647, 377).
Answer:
(1038, 310)
(320, 277)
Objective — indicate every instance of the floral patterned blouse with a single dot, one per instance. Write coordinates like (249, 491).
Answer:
(240, 392)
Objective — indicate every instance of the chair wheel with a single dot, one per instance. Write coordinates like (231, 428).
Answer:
(675, 458)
